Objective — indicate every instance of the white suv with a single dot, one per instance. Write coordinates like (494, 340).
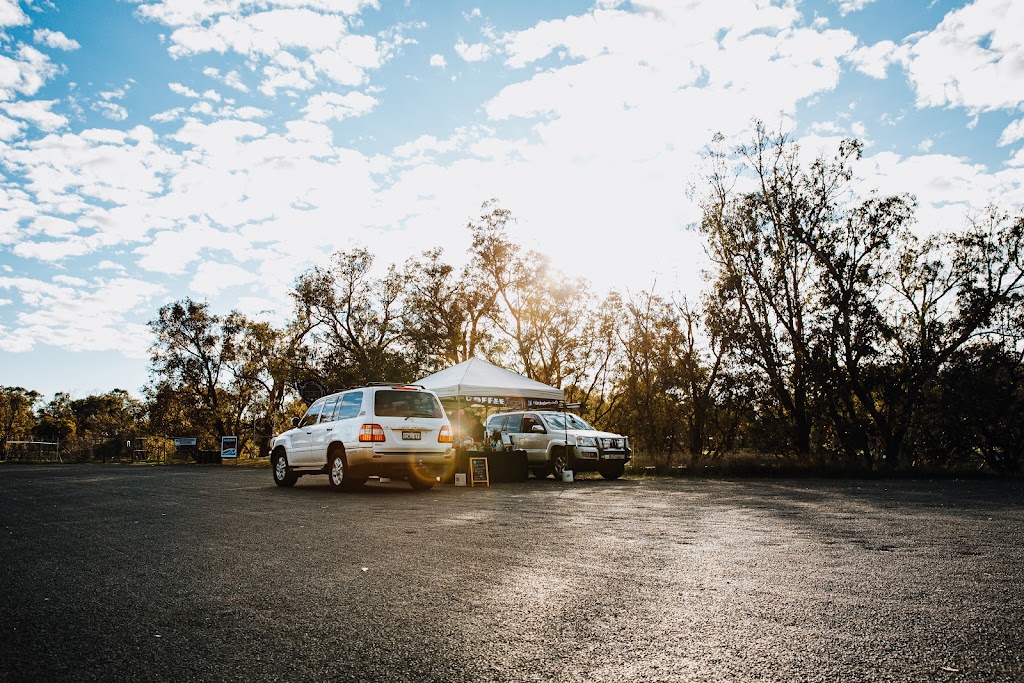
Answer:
(381, 430)
(556, 441)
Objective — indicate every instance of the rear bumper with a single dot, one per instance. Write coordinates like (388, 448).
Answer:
(368, 462)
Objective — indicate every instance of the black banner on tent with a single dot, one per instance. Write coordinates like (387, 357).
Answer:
(513, 402)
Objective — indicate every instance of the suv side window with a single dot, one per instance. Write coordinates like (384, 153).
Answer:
(329, 408)
(311, 414)
(514, 424)
(529, 421)
(349, 406)
(495, 424)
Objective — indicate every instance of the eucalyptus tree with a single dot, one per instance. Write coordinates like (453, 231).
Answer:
(355, 321)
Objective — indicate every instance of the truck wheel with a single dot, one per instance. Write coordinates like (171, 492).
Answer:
(279, 465)
(613, 471)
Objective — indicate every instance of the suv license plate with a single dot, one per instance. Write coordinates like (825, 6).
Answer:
(411, 436)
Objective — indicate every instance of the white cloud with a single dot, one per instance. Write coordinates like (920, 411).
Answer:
(183, 90)
(972, 59)
(110, 110)
(295, 41)
(9, 128)
(11, 14)
(212, 278)
(231, 79)
(36, 112)
(25, 72)
(1012, 133)
(55, 39)
(477, 52)
(438, 61)
(64, 314)
(847, 6)
(874, 60)
(327, 106)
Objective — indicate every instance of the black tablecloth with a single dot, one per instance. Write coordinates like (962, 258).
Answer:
(502, 466)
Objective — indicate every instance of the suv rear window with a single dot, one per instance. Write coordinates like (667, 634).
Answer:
(394, 403)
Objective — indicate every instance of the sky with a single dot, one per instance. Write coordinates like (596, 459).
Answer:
(152, 150)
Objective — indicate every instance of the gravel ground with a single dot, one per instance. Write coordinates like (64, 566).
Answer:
(212, 573)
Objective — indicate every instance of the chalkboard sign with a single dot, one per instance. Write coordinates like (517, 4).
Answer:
(478, 474)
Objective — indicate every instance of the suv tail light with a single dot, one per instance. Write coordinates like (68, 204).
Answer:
(445, 435)
(371, 432)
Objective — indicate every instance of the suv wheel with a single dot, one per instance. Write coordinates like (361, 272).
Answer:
(339, 476)
(422, 481)
(279, 465)
(612, 471)
(558, 462)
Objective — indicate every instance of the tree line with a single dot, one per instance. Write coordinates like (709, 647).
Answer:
(833, 330)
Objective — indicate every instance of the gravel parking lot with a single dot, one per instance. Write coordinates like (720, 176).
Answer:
(212, 573)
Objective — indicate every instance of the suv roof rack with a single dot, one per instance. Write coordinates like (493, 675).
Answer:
(394, 384)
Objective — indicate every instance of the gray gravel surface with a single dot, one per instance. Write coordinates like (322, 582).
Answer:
(209, 574)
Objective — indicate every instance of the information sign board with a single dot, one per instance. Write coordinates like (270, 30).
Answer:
(229, 447)
(478, 472)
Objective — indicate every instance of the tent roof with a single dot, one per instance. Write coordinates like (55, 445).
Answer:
(476, 377)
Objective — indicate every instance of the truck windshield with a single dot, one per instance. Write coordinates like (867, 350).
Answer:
(556, 421)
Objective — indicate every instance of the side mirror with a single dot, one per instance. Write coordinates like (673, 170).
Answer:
(537, 429)
(295, 422)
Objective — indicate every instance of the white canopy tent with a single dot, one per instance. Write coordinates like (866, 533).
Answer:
(476, 381)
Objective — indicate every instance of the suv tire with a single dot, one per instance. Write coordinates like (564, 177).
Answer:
(339, 475)
(613, 471)
(283, 476)
(559, 462)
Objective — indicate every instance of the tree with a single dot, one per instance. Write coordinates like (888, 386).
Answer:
(17, 416)
(447, 313)
(949, 290)
(355, 321)
(191, 361)
(756, 241)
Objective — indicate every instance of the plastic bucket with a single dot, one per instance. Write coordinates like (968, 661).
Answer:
(567, 475)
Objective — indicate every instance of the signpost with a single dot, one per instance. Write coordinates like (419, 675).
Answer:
(311, 390)
(478, 472)
(228, 447)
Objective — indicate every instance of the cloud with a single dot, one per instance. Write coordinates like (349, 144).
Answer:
(972, 59)
(874, 60)
(212, 278)
(1012, 133)
(63, 313)
(183, 90)
(36, 112)
(477, 52)
(11, 14)
(25, 72)
(848, 6)
(110, 110)
(294, 42)
(231, 79)
(327, 106)
(55, 39)
(438, 61)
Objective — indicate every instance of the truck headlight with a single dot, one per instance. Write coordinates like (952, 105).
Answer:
(585, 441)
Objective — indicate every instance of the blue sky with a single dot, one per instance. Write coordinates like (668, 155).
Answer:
(157, 149)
